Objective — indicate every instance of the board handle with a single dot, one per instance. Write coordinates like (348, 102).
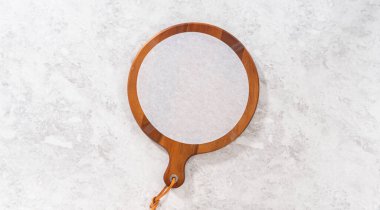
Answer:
(178, 156)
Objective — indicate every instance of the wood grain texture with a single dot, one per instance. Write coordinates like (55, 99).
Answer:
(179, 152)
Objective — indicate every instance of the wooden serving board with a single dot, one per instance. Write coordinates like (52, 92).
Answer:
(179, 152)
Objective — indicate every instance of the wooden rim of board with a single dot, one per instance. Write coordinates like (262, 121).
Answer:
(179, 152)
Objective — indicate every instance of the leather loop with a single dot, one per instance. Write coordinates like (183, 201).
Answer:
(156, 199)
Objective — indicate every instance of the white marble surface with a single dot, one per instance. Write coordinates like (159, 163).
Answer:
(193, 88)
(69, 141)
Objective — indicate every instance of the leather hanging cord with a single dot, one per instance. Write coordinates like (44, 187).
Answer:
(156, 199)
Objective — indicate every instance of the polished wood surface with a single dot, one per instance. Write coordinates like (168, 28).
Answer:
(179, 152)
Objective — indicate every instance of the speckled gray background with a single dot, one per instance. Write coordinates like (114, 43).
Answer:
(69, 141)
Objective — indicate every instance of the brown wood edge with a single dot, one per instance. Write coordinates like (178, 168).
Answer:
(179, 152)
